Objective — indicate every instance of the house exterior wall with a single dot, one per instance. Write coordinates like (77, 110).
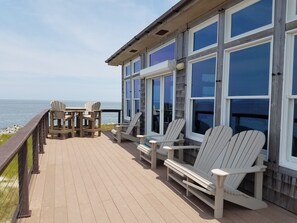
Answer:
(280, 183)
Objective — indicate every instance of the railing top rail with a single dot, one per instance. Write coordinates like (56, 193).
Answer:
(10, 148)
(111, 110)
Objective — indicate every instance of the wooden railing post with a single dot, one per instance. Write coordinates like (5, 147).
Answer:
(23, 182)
(40, 133)
(35, 142)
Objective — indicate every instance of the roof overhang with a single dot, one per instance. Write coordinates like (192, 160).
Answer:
(176, 18)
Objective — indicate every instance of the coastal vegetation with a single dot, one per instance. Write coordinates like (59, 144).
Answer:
(9, 193)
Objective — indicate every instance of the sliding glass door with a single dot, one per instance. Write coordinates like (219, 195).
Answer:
(160, 104)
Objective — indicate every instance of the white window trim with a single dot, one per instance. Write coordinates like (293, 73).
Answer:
(189, 104)
(133, 98)
(286, 159)
(291, 10)
(126, 65)
(200, 27)
(132, 66)
(126, 117)
(156, 49)
(225, 104)
(148, 83)
(237, 8)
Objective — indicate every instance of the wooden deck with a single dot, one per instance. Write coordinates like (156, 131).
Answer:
(96, 180)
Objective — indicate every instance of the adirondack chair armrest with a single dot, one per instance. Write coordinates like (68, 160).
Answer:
(163, 141)
(226, 172)
(180, 147)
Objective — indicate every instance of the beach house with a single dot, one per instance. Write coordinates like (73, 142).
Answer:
(220, 62)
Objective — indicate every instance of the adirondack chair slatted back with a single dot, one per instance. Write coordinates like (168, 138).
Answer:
(241, 153)
(133, 122)
(172, 132)
(59, 109)
(214, 142)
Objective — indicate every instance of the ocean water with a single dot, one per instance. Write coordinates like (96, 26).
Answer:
(20, 112)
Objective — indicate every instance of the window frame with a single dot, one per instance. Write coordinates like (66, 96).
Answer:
(286, 159)
(189, 102)
(157, 49)
(125, 70)
(133, 112)
(198, 28)
(226, 99)
(126, 116)
(291, 14)
(236, 8)
(132, 66)
(148, 106)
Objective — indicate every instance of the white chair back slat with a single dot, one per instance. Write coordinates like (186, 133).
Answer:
(212, 147)
(241, 153)
(172, 133)
(133, 122)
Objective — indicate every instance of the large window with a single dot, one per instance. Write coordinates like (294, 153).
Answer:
(288, 151)
(247, 89)
(249, 17)
(204, 36)
(161, 54)
(202, 80)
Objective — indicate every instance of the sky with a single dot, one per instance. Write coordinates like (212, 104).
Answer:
(56, 49)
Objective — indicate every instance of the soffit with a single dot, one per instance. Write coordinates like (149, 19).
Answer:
(174, 20)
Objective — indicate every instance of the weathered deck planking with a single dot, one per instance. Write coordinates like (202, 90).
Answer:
(97, 180)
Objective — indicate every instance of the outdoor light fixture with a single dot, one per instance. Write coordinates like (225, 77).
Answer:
(180, 66)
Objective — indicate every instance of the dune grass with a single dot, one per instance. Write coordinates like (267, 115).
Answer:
(9, 192)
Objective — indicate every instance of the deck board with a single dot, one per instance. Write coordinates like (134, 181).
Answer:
(98, 180)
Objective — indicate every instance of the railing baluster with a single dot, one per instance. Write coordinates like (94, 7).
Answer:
(35, 142)
(23, 182)
(40, 133)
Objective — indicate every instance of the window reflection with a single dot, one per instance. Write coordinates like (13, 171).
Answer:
(249, 71)
(294, 140)
(136, 66)
(252, 17)
(203, 78)
(249, 114)
(205, 37)
(168, 101)
(166, 53)
(202, 119)
(156, 105)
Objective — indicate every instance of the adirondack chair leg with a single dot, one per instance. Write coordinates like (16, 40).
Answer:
(258, 181)
(118, 136)
(188, 193)
(219, 197)
(154, 156)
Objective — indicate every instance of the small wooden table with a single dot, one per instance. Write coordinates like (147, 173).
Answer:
(79, 112)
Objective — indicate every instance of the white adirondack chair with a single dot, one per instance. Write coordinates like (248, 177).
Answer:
(214, 141)
(119, 132)
(228, 170)
(155, 150)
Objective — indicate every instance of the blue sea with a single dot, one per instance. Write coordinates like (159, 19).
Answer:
(20, 112)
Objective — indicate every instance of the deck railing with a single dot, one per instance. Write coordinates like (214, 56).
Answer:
(17, 164)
